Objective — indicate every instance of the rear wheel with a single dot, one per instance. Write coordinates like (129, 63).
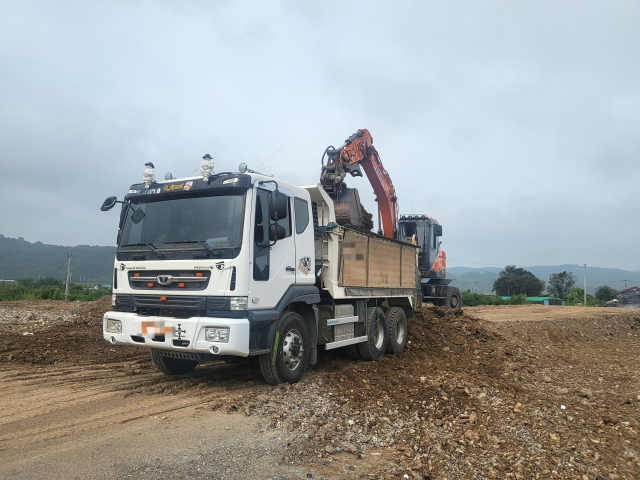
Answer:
(374, 347)
(396, 330)
(289, 361)
(170, 365)
(453, 300)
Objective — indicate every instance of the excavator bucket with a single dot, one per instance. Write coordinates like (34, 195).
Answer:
(349, 210)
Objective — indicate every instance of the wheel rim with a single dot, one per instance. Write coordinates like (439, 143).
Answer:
(292, 349)
(453, 302)
(400, 332)
(378, 334)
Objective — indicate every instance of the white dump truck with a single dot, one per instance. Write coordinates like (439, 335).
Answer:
(236, 265)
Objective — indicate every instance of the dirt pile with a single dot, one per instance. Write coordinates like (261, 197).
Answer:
(49, 332)
(479, 406)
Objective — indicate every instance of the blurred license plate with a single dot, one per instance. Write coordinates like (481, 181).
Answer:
(151, 329)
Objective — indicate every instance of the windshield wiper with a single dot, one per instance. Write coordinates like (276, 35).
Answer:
(213, 251)
(155, 250)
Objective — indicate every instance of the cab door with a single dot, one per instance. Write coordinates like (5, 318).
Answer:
(274, 266)
(305, 241)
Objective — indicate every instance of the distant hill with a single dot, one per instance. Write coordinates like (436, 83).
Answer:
(19, 258)
(481, 279)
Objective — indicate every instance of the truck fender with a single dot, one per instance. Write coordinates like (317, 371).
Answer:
(311, 316)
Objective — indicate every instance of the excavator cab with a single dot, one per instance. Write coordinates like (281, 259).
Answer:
(426, 232)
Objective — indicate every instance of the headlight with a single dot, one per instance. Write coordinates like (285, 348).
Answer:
(216, 334)
(114, 326)
(113, 300)
(239, 303)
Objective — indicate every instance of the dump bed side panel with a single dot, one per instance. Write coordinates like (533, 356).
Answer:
(368, 260)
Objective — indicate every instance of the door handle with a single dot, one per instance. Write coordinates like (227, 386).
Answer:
(291, 269)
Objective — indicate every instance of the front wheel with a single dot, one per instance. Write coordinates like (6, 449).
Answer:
(170, 365)
(289, 361)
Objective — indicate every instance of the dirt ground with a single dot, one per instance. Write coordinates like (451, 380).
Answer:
(488, 392)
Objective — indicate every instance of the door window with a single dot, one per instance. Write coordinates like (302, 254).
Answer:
(302, 214)
(260, 237)
(262, 223)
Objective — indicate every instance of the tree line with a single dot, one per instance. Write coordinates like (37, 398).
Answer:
(49, 288)
(519, 283)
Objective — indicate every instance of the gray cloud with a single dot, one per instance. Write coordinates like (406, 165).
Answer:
(516, 125)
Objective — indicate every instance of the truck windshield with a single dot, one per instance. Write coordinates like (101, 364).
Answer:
(213, 220)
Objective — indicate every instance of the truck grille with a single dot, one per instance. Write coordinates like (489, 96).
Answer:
(170, 302)
(169, 280)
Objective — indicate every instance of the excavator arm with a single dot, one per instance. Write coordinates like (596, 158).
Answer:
(358, 151)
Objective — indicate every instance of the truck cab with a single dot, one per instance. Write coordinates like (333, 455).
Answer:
(204, 268)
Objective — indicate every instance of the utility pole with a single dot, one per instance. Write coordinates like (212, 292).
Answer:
(625, 282)
(585, 284)
(66, 289)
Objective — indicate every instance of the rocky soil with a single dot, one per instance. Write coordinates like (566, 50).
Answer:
(523, 392)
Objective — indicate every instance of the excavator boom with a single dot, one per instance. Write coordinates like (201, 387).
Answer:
(358, 151)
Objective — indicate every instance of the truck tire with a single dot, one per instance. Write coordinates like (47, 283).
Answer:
(289, 361)
(374, 347)
(453, 300)
(170, 365)
(397, 331)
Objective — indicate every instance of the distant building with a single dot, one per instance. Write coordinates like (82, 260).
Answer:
(7, 282)
(542, 300)
(545, 300)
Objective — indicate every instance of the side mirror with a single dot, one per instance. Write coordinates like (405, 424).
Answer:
(278, 207)
(438, 230)
(276, 232)
(108, 204)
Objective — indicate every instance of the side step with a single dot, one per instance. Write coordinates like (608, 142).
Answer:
(344, 343)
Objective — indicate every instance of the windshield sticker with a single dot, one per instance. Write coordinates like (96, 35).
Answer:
(171, 188)
(188, 185)
(151, 191)
(134, 191)
(304, 265)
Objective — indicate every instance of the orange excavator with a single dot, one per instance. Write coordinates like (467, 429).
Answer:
(358, 153)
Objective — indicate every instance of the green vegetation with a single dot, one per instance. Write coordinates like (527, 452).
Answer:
(474, 299)
(517, 281)
(605, 293)
(576, 296)
(560, 284)
(49, 289)
(20, 258)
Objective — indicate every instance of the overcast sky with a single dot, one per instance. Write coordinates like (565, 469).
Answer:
(515, 124)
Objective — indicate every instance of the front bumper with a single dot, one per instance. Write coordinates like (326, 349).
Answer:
(167, 332)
